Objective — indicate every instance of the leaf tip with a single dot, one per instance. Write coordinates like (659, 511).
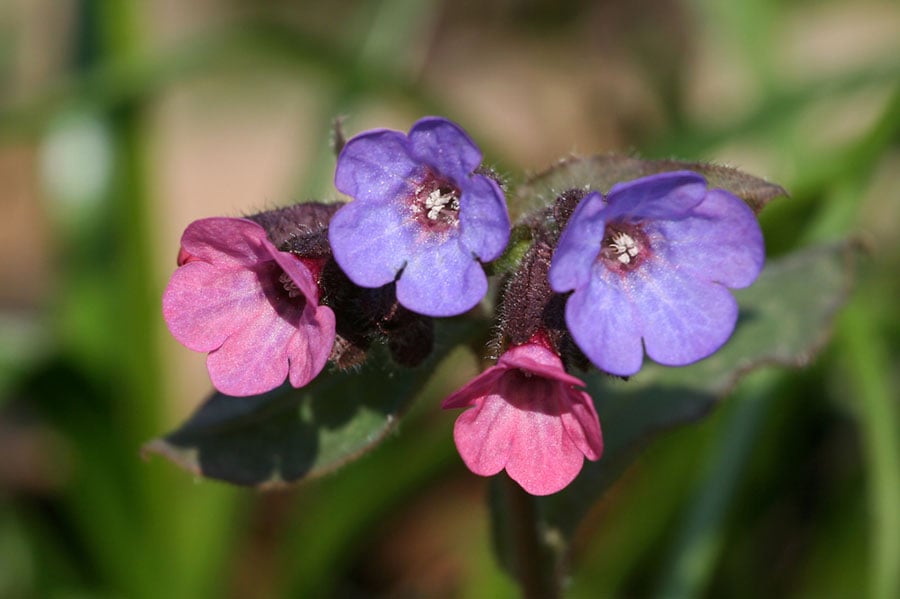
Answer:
(184, 458)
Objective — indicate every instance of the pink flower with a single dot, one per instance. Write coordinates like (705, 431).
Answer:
(253, 308)
(527, 417)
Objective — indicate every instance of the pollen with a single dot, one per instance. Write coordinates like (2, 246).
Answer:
(438, 200)
(624, 247)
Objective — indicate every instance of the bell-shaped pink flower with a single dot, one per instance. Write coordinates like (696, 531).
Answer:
(254, 308)
(526, 416)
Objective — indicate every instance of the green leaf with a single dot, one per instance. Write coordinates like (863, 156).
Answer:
(288, 434)
(600, 173)
(785, 318)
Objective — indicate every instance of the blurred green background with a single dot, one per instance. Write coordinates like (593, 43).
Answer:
(121, 121)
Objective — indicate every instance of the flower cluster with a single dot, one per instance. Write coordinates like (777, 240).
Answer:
(646, 267)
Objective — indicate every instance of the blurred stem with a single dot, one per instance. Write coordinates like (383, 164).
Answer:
(186, 539)
(105, 498)
(748, 25)
(868, 364)
(530, 557)
(132, 76)
(130, 232)
(694, 554)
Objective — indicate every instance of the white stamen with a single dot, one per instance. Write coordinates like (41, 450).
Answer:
(288, 283)
(437, 201)
(624, 247)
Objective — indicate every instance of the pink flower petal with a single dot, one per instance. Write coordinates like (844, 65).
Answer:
(474, 389)
(485, 434)
(299, 274)
(543, 459)
(583, 425)
(538, 360)
(254, 359)
(310, 347)
(204, 304)
(225, 242)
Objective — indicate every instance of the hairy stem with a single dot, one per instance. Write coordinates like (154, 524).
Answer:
(532, 560)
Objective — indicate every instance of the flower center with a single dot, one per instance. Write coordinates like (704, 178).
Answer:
(625, 246)
(280, 291)
(289, 285)
(439, 200)
(435, 205)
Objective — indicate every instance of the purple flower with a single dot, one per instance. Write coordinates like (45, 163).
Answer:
(253, 308)
(420, 214)
(655, 261)
(527, 417)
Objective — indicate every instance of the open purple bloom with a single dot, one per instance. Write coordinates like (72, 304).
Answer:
(526, 416)
(655, 261)
(418, 212)
(253, 308)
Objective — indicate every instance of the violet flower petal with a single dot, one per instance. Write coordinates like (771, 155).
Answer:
(412, 194)
(370, 242)
(440, 280)
(484, 221)
(444, 146)
(604, 323)
(675, 297)
(578, 245)
(376, 166)
(684, 319)
(720, 241)
(657, 197)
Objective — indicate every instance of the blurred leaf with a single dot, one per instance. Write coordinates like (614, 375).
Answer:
(785, 318)
(601, 172)
(288, 434)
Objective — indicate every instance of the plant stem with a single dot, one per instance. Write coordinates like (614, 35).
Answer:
(533, 563)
